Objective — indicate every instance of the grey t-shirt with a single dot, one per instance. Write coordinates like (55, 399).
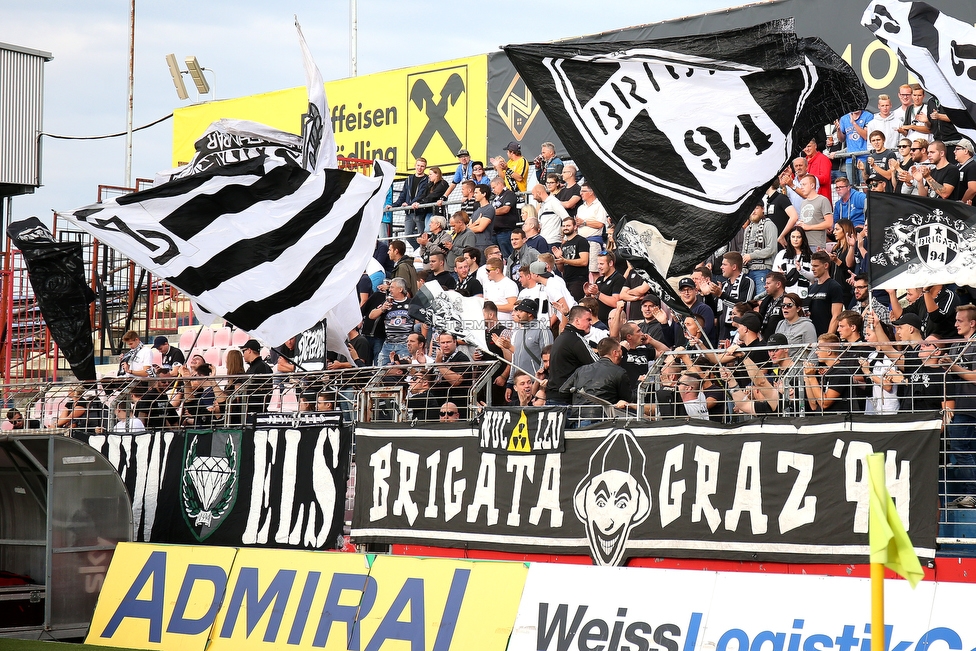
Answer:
(485, 237)
(812, 212)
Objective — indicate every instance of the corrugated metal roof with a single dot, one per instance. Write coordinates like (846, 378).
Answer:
(21, 114)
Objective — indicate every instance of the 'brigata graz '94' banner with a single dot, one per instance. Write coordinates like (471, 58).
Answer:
(768, 492)
(281, 484)
(686, 133)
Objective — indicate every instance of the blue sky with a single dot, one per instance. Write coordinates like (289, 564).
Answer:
(253, 49)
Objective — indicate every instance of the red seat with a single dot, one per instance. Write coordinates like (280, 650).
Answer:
(240, 337)
(222, 337)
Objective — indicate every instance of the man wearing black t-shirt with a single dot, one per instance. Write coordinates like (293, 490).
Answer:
(570, 196)
(966, 190)
(506, 215)
(573, 258)
(607, 287)
(825, 297)
(467, 284)
(440, 273)
(778, 207)
(939, 181)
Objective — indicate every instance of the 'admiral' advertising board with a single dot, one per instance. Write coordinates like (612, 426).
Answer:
(220, 598)
(768, 492)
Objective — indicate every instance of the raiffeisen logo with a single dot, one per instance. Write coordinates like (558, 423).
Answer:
(565, 627)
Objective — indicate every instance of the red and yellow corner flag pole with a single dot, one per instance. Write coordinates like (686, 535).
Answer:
(889, 544)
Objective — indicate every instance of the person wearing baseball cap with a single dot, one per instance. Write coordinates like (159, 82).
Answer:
(529, 336)
(516, 170)
(171, 356)
(251, 350)
(748, 326)
(908, 327)
(464, 171)
(688, 293)
(966, 191)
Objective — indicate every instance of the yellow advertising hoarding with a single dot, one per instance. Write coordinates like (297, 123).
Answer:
(224, 599)
(161, 597)
(399, 115)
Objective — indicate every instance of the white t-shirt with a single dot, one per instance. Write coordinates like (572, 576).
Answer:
(544, 296)
(551, 214)
(129, 426)
(589, 213)
(499, 292)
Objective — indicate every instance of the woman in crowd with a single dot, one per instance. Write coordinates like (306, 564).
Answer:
(844, 257)
(436, 187)
(798, 329)
(67, 412)
(198, 398)
(225, 393)
(794, 263)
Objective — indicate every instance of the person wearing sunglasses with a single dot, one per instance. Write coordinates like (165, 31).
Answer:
(448, 412)
(797, 328)
(918, 155)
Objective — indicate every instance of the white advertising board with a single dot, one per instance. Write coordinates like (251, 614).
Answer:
(568, 607)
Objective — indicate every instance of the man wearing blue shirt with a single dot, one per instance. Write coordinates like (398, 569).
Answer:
(463, 173)
(852, 129)
(850, 202)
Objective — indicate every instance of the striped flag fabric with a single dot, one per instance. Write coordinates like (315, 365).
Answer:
(263, 235)
(938, 48)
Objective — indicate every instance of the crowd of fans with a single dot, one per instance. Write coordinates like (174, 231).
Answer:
(780, 321)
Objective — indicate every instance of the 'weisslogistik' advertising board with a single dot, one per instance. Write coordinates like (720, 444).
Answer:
(790, 491)
(219, 598)
(572, 607)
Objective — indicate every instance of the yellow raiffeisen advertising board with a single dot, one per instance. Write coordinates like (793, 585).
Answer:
(218, 598)
(399, 115)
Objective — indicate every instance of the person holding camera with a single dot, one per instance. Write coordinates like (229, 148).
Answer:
(547, 162)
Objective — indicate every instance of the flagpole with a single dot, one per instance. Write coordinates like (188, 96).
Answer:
(877, 607)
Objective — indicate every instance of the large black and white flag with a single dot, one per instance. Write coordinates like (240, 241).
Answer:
(918, 241)
(939, 49)
(686, 133)
(256, 229)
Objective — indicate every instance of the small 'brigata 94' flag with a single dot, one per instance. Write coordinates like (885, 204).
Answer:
(641, 245)
(255, 228)
(889, 543)
(919, 242)
(450, 312)
(686, 133)
(939, 49)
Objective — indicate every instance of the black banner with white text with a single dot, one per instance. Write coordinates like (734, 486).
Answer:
(787, 491)
(281, 484)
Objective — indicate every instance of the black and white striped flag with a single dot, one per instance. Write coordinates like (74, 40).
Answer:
(939, 49)
(267, 238)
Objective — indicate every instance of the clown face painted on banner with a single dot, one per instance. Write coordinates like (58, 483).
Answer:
(614, 496)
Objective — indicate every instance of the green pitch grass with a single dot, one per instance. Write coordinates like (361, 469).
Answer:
(33, 645)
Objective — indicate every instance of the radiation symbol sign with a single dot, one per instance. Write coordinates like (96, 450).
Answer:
(518, 441)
